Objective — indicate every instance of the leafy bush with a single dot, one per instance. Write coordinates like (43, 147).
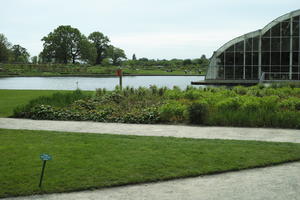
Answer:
(172, 111)
(251, 104)
(229, 104)
(240, 90)
(291, 103)
(269, 103)
(198, 112)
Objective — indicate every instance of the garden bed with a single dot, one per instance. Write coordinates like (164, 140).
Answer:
(257, 106)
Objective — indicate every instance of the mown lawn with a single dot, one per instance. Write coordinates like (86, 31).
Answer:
(9, 99)
(86, 161)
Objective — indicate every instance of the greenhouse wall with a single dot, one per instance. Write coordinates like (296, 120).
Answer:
(271, 53)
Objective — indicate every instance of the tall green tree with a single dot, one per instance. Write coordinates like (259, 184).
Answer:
(101, 43)
(19, 54)
(4, 48)
(116, 55)
(88, 52)
(63, 45)
(34, 59)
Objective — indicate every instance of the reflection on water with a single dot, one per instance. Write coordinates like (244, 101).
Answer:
(91, 83)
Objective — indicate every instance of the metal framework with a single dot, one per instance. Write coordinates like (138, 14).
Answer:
(271, 53)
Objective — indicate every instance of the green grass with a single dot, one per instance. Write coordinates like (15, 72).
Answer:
(86, 161)
(10, 99)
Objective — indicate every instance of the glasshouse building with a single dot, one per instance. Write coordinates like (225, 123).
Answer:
(268, 54)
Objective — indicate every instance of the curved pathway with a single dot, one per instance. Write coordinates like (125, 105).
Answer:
(271, 183)
(274, 183)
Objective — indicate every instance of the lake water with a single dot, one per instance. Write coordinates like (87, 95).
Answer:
(91, 83)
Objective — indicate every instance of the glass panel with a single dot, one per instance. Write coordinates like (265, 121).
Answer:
(248, 72)
(275, 30)
(267, 34)
(255, 58)
(296, 58)
(239, 46)
(296, 28)
(248, 58)
(220, 59)
(255, 72)
(265, 68)
(285, 58)
(275, 68)
(230, 49)
(295, 77)
(229, 72)
(295, 43)
(265, 58)
(285, 69)
(239, 58)
(239, 72)
(285, 28)
(296, 18)
(220, 73)
(295, 69)
(296, 73)
(275, 44)
(255, 43)
(265, 44)
(285, 44)
(249, 44)
(229, 59)
(275, 58)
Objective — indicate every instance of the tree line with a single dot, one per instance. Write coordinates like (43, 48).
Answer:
(134, 62)
(12, 53)
(67, 44)
(64, 45)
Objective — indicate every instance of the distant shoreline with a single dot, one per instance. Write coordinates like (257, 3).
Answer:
(96, 75)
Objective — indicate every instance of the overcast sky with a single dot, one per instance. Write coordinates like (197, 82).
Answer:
(154, 28)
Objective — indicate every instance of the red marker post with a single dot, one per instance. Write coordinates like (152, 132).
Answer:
(119, 73)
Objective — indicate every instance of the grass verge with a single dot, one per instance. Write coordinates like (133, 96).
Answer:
(86, 161)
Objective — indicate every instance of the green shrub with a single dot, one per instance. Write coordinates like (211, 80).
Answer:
(240, 90)
(291, 103)
(269, 103)
(232, 104)
(251, 104)
(198, 112)
(172, 111)
(174, 94)
(193, 94)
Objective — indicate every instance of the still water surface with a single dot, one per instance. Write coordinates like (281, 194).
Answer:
(91, 83)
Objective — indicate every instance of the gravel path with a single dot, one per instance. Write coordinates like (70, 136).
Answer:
(261, 134)
(274, 183)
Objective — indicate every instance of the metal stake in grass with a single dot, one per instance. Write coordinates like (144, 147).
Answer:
(44, 158)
